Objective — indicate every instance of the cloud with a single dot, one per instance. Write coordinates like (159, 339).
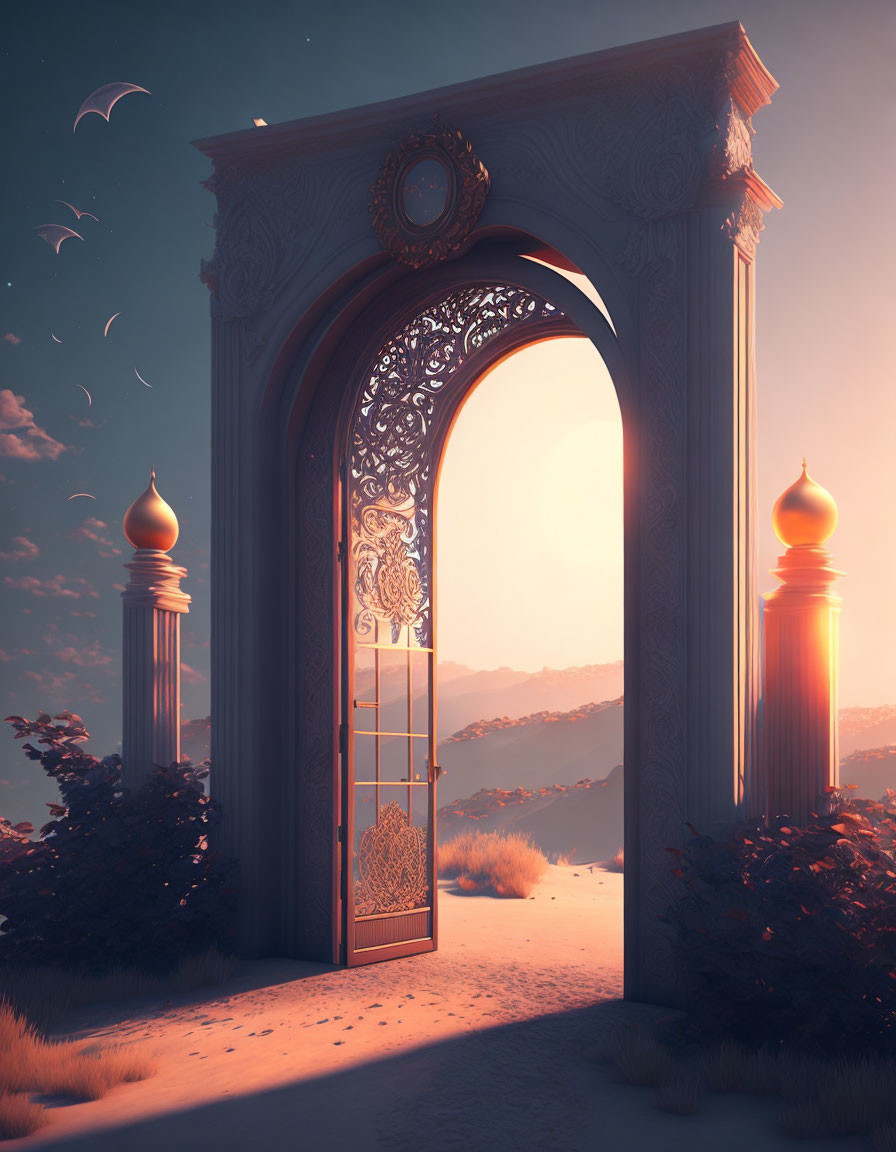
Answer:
(91, 657)
(93, 529)
(23, 549)
(20, 437)
(191, 675)
(6, 654)
(11, 338)
(71, 587)
(50, 681)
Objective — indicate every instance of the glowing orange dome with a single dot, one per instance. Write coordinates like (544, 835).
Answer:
(805, 513)
(150, 522)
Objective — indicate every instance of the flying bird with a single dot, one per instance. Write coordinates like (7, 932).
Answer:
(54, 234)
(86, 393)
(103, 100)
(75, 496)
(78, 211)
(140, 378)
(55, 337)
(108, 322)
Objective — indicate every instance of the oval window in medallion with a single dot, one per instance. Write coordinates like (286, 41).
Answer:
(423, 191)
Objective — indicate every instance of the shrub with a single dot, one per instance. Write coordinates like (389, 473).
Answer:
(116, 878)
(787, 935)
(506, 865)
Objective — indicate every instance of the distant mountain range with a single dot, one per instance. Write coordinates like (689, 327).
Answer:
(510, 729)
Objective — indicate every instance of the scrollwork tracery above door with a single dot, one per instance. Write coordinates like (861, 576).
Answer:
(394, 451)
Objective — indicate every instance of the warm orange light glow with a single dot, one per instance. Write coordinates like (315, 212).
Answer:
(530, 537)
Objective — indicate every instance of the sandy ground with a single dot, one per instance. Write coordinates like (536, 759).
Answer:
(487, 1044)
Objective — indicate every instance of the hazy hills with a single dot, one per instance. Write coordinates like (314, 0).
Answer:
(532, 751)
(581, 821)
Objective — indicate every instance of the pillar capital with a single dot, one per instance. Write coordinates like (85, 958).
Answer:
(155, 582)
(806, 576)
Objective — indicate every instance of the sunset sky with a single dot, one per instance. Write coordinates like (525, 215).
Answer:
(531, 485)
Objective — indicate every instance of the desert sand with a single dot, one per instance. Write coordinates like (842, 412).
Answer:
(488, 1044)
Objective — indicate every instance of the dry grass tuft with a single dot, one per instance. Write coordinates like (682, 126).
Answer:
(640, 1059)
(59, 1068)
(44, 995)
(680, 1095)
(883, 1138)
(802, 1122)
(842, 1097)
(505, 865)
(856, 1096)
(203, 969)
(733, 1068)
(616, 863)
(18, 1116)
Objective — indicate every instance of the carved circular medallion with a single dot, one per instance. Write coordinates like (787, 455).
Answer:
(428, 197)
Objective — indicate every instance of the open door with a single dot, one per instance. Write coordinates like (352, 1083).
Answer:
(388, 733)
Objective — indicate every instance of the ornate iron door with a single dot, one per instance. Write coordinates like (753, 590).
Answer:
(390, 825)
(388, 727)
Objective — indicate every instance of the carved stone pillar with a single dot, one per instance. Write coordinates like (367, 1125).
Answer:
(153, 603)
(800, 746)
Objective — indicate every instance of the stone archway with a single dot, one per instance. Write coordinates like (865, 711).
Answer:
(633, 166)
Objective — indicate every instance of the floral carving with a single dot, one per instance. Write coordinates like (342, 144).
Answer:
(387, 583)
(733, 151)
(392, 873)
(664, 169)
(744, 225)
(469, 184)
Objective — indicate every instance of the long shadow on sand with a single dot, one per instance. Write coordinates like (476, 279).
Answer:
(531, 1085)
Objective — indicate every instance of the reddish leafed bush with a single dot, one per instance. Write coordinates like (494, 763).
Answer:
(787, 935)
(116, 878)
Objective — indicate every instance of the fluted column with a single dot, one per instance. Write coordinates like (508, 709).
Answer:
(800, 739)
(153, 603)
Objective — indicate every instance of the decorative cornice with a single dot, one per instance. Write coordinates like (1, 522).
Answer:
(724, 46)
(657, 128)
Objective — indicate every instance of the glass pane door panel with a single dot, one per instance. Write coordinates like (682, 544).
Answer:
(365, 676)
(395, 758)
(420, 762)
(364, 818)
(365, 758)
(419, 659)
(394, 686)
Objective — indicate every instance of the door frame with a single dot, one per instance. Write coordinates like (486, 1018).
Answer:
(461, 384)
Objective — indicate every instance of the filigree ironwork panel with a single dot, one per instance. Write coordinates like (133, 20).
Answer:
(392, 866)
(393, 458)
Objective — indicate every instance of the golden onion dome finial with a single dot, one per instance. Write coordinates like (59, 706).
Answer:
(150, 521)
(804, 514)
